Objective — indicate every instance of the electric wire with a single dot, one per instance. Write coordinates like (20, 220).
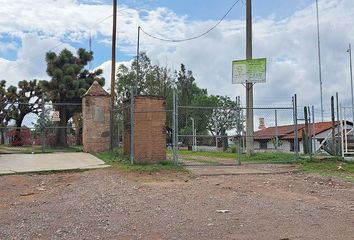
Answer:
(195, 37)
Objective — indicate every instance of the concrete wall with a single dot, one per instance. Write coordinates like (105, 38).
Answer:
(149, 129)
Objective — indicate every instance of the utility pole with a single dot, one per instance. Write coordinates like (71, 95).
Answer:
(319, 58)
(137, 63)
(351, 79)
(113, 69)
(249, 86)
(114, 37)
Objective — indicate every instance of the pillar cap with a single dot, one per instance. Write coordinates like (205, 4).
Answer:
(96, 90)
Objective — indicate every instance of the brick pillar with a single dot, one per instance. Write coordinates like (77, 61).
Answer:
(150, 129)
(96, 119)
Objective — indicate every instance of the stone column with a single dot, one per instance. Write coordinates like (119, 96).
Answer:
(96, 119)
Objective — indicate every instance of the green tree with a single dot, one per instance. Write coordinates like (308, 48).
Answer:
(6, 104)
(187, 90)
(218, 115)
(23, 100)
(27, 97)
(69, 81)
(152, 79)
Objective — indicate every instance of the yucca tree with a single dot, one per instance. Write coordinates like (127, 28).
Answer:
(69, 81)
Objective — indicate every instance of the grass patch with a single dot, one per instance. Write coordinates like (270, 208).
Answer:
(117, 160)
(260, 157)
(226, 155)
(269, 157)
(329, 167)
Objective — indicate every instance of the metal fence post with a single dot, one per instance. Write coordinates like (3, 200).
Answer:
(42, 126)
(341, 131)
(132, 109)
(345, 130)
(296, 143)
(276, 129)
(313, 130)
(118, 129)
(111, 128)
(239, 134)
(174, 127)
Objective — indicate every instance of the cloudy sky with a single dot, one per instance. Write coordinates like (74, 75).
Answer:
(284, 32)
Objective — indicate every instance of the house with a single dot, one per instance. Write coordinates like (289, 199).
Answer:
(282, 137)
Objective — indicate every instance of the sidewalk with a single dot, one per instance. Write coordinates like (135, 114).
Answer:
(21, 163)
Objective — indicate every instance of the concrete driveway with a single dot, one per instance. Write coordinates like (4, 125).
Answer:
(21, 163)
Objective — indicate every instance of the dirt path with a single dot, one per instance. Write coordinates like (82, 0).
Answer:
(106, 204)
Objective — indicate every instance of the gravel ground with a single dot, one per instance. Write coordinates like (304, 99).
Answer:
(108, 204)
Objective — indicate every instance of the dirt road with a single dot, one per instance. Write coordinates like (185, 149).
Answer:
(107, 204)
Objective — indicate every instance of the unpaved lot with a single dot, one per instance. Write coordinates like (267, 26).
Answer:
(108, 204)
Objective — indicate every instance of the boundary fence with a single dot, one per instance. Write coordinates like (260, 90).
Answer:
(41, 127)
(215, 135)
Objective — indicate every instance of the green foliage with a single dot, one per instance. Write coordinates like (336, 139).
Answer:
(225, 114)
(44, 123)
(158, 81)
(259, 157)
(277, 142)
(27, 97)
(152, 80)
(69, 81)
(329, 167)
(4, 101)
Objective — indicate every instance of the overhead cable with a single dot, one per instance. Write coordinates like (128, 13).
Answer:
(195, 37)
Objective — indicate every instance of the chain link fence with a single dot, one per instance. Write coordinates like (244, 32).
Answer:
(41, 127)
(206, 135)
(217, 135)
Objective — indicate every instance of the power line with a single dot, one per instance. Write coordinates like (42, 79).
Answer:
(195, 37)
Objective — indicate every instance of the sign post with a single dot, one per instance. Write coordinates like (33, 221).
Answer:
(248, 72)
(56, 116)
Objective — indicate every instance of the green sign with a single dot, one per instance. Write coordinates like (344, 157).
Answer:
(249, 71)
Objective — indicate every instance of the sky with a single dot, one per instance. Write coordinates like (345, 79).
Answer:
(284, 32)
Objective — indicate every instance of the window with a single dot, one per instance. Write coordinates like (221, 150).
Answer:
(292, 146)
(263, 144)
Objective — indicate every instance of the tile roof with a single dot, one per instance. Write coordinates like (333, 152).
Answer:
(287, 131)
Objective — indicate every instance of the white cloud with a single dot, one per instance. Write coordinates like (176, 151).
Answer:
(30, 61)
(107, 69)
(290, 46)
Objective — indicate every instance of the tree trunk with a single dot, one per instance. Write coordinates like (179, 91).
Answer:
(60, 136)
(77, 129)
(2, 136)
(17, 140)
(225, 143)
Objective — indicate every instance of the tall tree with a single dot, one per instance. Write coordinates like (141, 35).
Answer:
(69, 81)
(4, 108)
(152, 79)
(224, 116)
(27, 97)
(23, 100)
(218, 115)
(187, 91)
